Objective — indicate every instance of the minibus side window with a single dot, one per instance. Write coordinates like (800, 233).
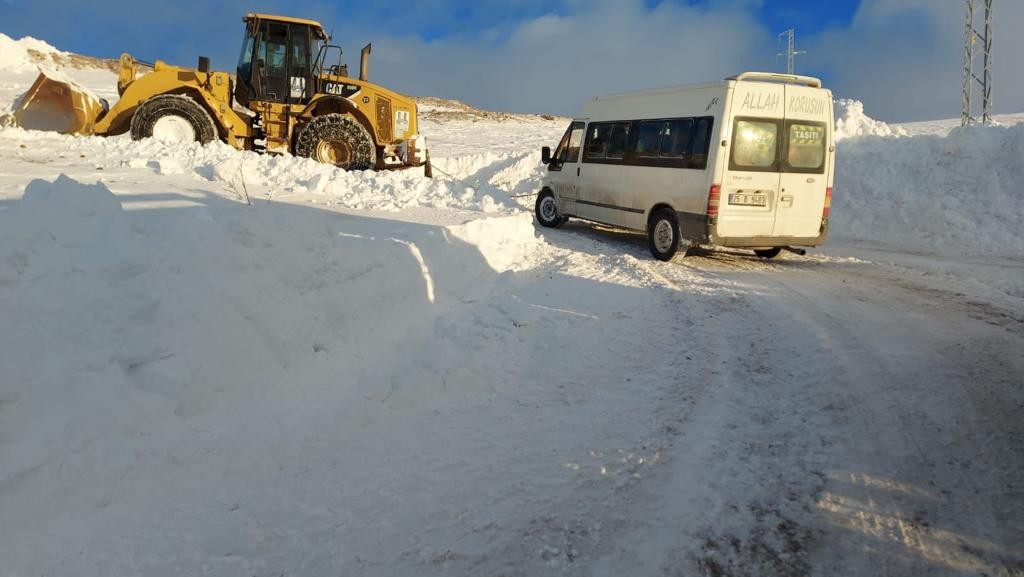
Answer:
(805, 150)
(617, 141)
(755, 145)
(676, 140)
(648, 139)
(700, 143)
(597, 142)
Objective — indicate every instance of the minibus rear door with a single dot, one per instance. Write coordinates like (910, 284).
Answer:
(805, 147)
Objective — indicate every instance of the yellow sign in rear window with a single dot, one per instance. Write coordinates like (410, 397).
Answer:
(806, 146)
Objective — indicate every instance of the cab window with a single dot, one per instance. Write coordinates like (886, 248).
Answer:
(568, 149)
(273, 49)
(245, 58)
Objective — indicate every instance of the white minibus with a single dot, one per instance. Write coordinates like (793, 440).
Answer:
(745, 162)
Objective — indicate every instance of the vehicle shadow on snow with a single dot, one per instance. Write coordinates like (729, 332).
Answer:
(600, 239)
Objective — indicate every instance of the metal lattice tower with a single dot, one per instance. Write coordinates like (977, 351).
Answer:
(791, 50)
(971, 55)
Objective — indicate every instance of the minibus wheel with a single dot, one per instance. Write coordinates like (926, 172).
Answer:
(768, 252)
(547, 210)
(663, 234)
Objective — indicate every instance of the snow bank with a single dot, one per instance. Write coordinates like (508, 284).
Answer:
(122, 322)
(851, 121)
(14, 54)
(467, 184)
(507, 243)
(960, 193)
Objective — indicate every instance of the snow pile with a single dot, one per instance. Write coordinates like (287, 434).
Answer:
(15, 57)
(851, 121)
(508, 243)
(146, 344)
(960, 193)
(467, 184)
(22, 60)
(151, 316)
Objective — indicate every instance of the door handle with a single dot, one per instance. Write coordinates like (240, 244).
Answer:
(577, 172)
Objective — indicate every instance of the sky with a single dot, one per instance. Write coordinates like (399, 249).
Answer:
(902, 58)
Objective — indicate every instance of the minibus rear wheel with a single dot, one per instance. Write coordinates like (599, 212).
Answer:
(663, 234)
(768, 252)
(547, 210)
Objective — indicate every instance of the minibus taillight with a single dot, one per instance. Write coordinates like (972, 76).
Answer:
(828, 202)
(714, 197)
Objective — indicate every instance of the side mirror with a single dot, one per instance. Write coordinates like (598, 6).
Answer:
(545, 155)
(204, 65)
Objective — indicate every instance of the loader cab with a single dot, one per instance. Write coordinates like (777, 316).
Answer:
(276, 63)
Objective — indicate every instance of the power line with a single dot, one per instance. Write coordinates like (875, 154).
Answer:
(791, 51)
(971, 56)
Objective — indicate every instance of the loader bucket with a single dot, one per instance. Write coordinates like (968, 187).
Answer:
(56, 103)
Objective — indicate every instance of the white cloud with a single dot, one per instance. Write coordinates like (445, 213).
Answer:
(554, 63)
(904, 58)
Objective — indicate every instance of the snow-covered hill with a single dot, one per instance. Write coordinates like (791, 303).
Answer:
(217, 362)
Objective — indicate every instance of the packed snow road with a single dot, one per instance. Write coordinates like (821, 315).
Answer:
(850, 416)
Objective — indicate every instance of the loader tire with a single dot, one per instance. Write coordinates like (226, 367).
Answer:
(174, 118)
(337, 139)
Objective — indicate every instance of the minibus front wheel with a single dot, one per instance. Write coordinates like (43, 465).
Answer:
(547, 210)
(663, 234)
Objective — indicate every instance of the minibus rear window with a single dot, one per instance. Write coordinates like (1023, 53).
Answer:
(755, 145)
(806, 147)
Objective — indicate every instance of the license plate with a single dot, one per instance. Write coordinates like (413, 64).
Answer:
(748, 199)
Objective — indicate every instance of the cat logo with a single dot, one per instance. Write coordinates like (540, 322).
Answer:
(338, 89)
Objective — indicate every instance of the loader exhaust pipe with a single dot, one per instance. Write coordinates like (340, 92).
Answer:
(364, 63)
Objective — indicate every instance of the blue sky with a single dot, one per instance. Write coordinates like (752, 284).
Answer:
(550, 55)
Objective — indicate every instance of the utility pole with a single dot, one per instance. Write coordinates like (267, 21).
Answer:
(791, 50)
(971, 55)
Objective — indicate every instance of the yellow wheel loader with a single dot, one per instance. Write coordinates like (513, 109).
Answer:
(291, 93)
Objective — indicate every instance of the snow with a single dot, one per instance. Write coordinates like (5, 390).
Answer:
(15, 57)
(945, 126)
(959, 191)
(380, 374)
(20, 68)
(851, 121)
